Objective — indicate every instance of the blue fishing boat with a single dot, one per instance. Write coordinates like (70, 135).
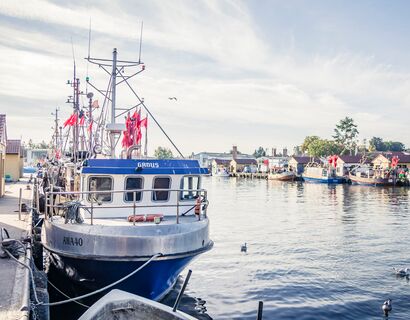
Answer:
(315, 172)
(124, 221)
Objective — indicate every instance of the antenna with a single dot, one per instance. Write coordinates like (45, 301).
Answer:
(89, 51)
(72, 49)
(139, 57)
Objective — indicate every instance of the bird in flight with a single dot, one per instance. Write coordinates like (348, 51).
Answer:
(173, 98)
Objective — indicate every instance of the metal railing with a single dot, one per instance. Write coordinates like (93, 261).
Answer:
(198, 201)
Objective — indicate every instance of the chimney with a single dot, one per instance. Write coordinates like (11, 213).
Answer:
(234, 152)
(285, 152)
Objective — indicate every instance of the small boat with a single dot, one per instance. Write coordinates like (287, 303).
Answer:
(222, 173)
(118, 304)
(315, 172)
(281, 175)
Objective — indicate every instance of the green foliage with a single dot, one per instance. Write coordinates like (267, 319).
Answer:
(163, 153)
(346, 133)
(41, 145)
(323, 147)
(377, 144)
(260, 152)
(308, 140)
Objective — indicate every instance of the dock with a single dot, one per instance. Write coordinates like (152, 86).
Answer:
(14, 278)
(248, 175)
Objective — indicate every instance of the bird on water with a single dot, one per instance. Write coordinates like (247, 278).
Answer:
(244, 248)
(402, 272)
(387, 307)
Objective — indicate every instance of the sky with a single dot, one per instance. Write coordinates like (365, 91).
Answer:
(246, 73)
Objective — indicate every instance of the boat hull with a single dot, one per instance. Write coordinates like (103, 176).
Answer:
(281, 176)
(371, 181)
(323, 180)
(77, 277)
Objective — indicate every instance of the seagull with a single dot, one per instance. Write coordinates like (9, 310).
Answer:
(244, 248)
(387, 307)
(402, 272)
(173, 98)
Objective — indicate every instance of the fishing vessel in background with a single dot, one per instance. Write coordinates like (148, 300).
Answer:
(322, 173)
(367, 175)
(280, 174)
(115, 218)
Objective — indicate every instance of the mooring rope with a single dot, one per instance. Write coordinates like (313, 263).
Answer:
(6, 246)
(106, 287)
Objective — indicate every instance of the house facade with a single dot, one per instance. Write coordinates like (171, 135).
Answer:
(297, 164)
(220, 164)
(383, 161)
(238, 165)
(346, 163)
(14, 160)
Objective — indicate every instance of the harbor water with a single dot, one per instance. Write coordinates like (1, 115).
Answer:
(315, 251)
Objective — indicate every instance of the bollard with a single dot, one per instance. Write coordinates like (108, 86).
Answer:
(20, 195)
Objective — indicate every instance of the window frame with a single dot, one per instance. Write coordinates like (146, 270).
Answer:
(182, 187)
(125, 188)
(102, 176)
(153, 187)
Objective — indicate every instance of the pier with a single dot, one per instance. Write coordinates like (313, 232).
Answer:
(248, 175)
(14, 278)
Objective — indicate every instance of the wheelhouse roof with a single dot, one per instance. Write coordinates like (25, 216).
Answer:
(142, 166)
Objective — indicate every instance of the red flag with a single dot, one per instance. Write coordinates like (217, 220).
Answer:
(82, 120)
(73, 120)
(68, 121)
(144, 122)
(90, 127)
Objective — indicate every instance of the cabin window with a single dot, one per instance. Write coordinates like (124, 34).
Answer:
(100, 184)
(161, 183)
(133, 183)
(189, 184)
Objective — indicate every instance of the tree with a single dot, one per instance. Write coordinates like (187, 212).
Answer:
(346, 133)
(377, 144)
(323, 148)
(394, 146)
(308, 140)
(260, 152)
(163, 153)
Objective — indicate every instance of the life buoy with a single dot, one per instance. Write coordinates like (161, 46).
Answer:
(198, 205)
(145, 218)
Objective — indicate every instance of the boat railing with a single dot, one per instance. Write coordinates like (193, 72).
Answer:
(197, 201)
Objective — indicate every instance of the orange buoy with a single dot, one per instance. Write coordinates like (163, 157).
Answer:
(198, 205)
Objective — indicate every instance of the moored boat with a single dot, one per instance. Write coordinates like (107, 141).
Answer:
(326, 173)
(119, 304)
(281, 175)
(124, 221)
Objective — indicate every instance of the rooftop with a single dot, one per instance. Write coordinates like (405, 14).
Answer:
(13, 146)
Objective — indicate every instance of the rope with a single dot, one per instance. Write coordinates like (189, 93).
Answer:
(71, 212)
(106, 287)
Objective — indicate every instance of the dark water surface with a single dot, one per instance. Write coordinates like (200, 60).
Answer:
(314, 251)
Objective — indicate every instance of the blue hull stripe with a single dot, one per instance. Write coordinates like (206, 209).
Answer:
(84, 276)
(318, 180)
